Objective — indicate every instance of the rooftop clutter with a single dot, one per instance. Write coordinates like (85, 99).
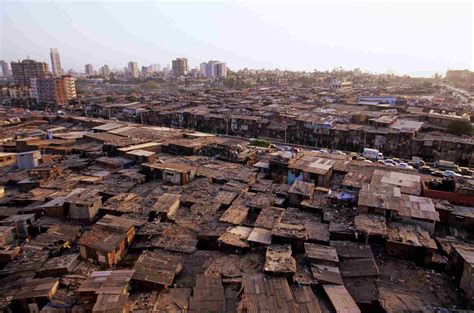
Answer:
(203, 223)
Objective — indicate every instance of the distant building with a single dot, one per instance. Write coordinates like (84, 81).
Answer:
(56, 62)
(19, 92)
(213, 69)
(460, 76)
(57, 90)
(89, 69)
(104, 71)
(194, 72)
(179, 67)
(4, 68)
(133, 69)
(156, 67)
(147, 71)
(220, 70)
(24, 70)
(203, 69)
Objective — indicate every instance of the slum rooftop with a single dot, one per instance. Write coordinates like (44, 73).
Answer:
(99, 215)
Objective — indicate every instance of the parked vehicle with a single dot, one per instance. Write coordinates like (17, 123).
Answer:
(445, 165)
(372, 154)
(389, 161)
(418, 162)
(426, 170)
(466, 171)
(404, 165)
(437, 174)
(451, 174)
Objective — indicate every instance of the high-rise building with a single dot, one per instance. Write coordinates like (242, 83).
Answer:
(213, 69)
(55, 62)
(104, 71)
(179, 67)
(220, 70)
(4, 68)
(156, 67)
(89, 69)
(24, 70)
(57, 90)
(203, 69)
(133, 69)
(194, 72)
(147, 71)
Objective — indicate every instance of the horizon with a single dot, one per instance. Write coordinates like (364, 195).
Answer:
(304, 37)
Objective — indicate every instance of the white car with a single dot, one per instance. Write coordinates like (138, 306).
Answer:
(451, 174)
(404, 165)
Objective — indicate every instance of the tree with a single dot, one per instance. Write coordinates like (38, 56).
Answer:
(462, 127)
(131, 98)
(150, 85)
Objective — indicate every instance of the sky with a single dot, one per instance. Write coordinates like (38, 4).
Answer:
(418, 39)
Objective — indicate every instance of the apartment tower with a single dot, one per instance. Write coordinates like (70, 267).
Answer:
(179, 67)
(57, 90)
(55, 62)
(24, 70)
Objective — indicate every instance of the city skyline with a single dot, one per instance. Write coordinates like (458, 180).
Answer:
(302, 37)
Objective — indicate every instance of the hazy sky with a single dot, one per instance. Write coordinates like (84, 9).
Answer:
(414, 38)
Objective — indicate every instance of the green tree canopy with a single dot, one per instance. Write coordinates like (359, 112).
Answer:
(131, 98)
(462, 127)
(150, 85)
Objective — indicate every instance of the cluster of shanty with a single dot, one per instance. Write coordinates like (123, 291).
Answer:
(101, 216)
